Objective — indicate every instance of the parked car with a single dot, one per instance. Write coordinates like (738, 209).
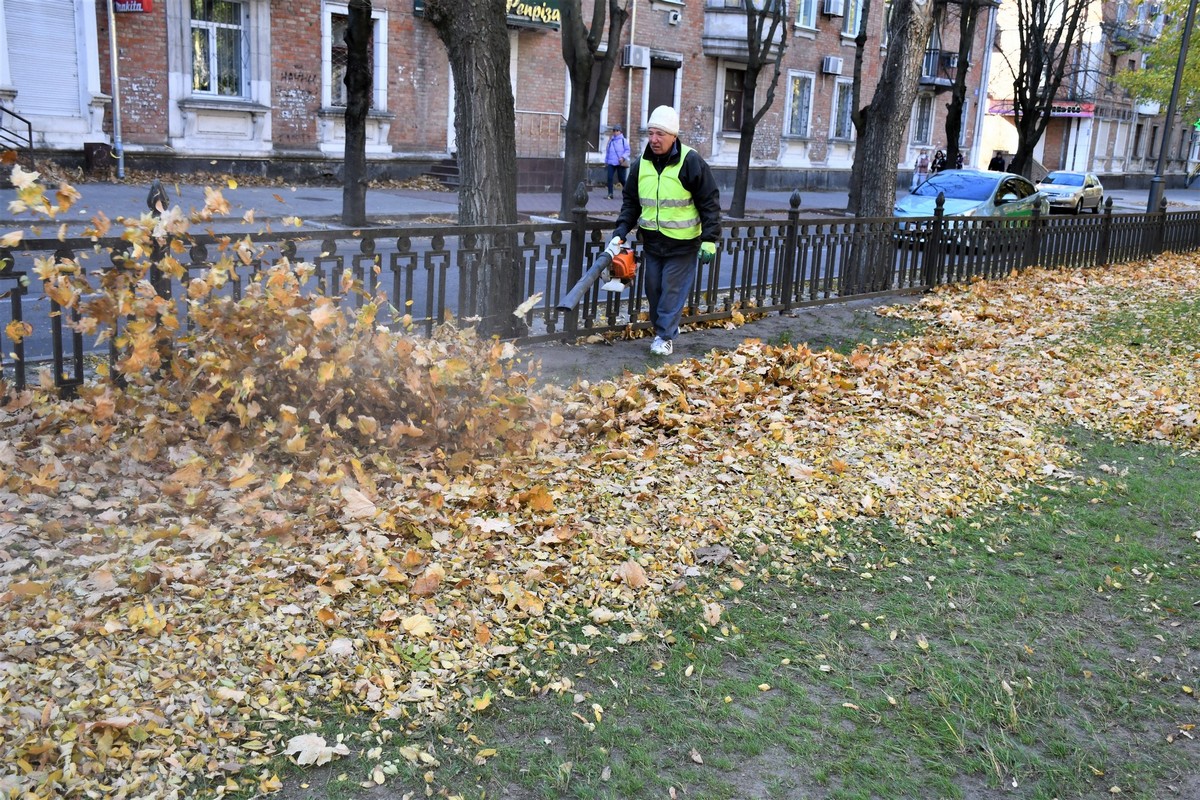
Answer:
(974, 193)
(1073, 191)
(968, 193)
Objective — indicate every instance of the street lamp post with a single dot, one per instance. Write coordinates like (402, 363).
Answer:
(1156, 183)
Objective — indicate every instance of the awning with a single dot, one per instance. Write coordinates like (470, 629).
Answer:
(1067, 109)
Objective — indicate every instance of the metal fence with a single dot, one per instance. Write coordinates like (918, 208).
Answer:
(430, 274)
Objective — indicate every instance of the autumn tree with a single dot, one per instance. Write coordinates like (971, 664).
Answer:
(968, 24)
(1048, 36)
(882, 124)
(358, 103)
(590, 75)
(475, 34)
(1156, 79)
(766, 41)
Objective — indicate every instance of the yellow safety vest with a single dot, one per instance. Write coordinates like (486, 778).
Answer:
(666, 206)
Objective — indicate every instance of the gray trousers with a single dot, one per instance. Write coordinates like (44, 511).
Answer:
(669, 281)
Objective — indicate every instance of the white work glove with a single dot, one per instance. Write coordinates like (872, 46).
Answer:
(614, 246)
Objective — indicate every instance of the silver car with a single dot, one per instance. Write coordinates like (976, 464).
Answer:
(1073, 191)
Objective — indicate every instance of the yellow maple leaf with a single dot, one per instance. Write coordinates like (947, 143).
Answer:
(418, 625)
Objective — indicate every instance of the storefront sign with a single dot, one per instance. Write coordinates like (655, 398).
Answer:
(133, 5)
(1005, 108)
(521, 13)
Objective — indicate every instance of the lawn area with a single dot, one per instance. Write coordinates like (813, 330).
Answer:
(961, 564)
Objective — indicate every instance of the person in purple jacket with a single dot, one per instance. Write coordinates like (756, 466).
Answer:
(616, 158)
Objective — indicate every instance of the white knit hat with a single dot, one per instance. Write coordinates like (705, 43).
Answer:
(665, 119)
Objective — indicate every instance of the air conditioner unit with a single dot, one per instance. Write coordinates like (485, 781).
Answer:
(831, 65)
(949, 60)
(835, 8)
(635, 56)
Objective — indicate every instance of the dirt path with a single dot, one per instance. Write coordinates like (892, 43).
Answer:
(831, 326)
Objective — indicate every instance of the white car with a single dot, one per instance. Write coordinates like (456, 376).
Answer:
(1073, 191)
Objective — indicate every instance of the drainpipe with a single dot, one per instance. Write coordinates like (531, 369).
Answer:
(981, 109)
(629, 73)
(116, 91)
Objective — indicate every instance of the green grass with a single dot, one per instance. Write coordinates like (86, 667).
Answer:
(1170, 326)
(1042, 651)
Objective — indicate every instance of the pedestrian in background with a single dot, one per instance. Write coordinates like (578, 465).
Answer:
(939, 162)
(920, 170)
(673, 200)
(997, 163)
(616, 159)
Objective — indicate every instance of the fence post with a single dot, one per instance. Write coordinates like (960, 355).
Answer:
(1162, 226)
(789, 256)
(1102, 254)
(1033, 240)
(575, 254)
(935, 252)
(157, 202)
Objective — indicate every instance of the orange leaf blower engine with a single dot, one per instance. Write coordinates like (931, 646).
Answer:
(621, 271)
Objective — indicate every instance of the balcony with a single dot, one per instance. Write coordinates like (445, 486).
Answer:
(725, 32)
(939, 69)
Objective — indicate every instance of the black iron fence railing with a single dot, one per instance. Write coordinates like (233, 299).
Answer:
(16, 132)
(430, 274)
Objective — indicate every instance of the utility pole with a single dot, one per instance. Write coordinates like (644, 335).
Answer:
(1156, 183)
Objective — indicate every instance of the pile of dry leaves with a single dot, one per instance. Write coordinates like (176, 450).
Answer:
(328, 517)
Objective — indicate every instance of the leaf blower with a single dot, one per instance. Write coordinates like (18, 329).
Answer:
(621, 266)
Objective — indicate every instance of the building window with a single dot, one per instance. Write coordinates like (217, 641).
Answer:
(1153, 151)
(661, 89)
(885, 36)
(334, 55)
(799, 103)
(806, 14)
(923, 124)
(731, 114)
(853, 14)
(219, 48)
(843, 127)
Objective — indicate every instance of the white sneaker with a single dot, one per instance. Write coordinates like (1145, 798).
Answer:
(662, 347)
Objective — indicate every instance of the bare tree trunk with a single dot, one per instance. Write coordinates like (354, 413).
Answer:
(858, 114)
(885, 120)
(579, 47)
(476, 39)
(358, 103)
(968, 21)
(881, 135)
(762, 25)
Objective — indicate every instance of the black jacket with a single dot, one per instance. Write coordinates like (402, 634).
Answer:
(696, 178)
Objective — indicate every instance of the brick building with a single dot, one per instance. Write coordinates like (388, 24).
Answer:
(1095, 124)
(255, 85)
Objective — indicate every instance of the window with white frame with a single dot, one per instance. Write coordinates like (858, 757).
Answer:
(887, 24)
(806, 14)
(843, 102)
(850, 22)
(219, 51)
(799, 103)
(335, 20)
(923, 120)
(735, 91)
